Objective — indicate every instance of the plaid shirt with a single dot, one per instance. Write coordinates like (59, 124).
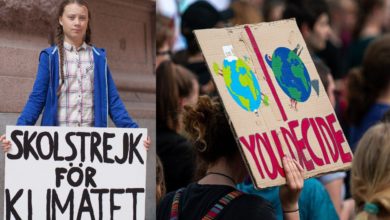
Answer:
(75, 101)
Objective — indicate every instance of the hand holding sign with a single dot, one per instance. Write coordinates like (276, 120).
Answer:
(289, 193)
(5, 143)
(147, 143)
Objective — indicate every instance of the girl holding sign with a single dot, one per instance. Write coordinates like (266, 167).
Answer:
(74, 84)
(215, 194)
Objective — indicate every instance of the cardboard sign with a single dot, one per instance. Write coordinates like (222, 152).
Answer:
(274, 99)
(75, 173)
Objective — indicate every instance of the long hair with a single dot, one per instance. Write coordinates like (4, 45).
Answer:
(366, 84)
(59, 39)
(209, 130)
(370, 179)
(174, 82)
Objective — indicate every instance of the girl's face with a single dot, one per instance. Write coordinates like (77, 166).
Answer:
(74, 22)
(320, 33)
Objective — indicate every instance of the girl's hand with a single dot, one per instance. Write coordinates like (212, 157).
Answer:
(147, 143)
(289, 193)
(6, 143)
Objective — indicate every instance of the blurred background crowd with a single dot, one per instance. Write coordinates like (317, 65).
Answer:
(350, 47)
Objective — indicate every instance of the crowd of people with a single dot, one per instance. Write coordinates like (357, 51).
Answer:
(202, 178)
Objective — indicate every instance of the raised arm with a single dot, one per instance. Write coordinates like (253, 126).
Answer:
(289, 193)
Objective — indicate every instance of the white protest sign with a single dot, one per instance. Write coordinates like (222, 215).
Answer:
(75, 173)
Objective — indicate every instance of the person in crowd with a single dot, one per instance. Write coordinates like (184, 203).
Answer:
(349, 19)
(199, 15)
(314, 202)
(214, 195)
(368, 95)
(245, 13)
(176, 87)
(273, 10)
(370, 182)
(371, 22)
(343, 17)
(333, 182)
(332, 53)
(369, 89)
(312, 17)
(165, 37)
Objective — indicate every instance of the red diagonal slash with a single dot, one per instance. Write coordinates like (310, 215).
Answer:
(264, 68)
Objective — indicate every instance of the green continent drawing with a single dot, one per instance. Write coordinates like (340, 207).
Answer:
(290, 73)
(241, 83)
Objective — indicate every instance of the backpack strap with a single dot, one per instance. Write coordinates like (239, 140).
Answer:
(222, 203)
(175, 205)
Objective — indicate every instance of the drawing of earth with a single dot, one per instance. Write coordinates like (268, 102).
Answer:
(291, 73)
(242, 84)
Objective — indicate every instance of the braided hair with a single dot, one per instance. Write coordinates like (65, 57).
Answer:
(59, 38)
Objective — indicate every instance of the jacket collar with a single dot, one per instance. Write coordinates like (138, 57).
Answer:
(70, 47)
